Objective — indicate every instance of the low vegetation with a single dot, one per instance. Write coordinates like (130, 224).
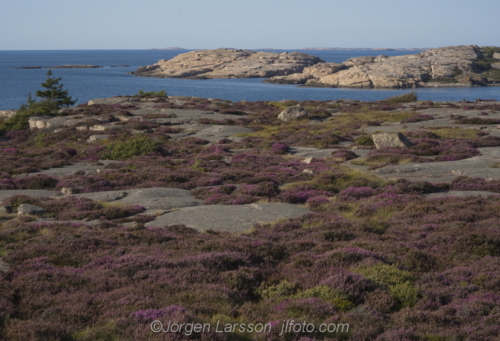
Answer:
(375, 254)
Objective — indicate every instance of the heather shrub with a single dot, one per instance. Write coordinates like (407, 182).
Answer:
(343, 155)
(264, 189)
(300, 194)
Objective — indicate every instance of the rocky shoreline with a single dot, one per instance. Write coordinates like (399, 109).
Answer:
(454, 66)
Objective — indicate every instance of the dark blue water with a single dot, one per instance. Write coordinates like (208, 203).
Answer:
(85, 84)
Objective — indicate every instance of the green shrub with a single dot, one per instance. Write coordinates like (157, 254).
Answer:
(385, 275)
(405, 293)
(490, 50)
(405, 98)
(136, 145)
(398, 282)
(142, 93)
(17, 122)
(364, 140)
(337, 298)
(283, 289)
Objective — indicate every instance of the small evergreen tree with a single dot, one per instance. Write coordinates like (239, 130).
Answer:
(54, 92)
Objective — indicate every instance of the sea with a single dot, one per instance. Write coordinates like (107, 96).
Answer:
(86, 84)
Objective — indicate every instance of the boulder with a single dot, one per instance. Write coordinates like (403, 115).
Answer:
(293, 113)
(393, 140)
(28, 209)
(95, 138)
(496, 55)
(5, 209)
(69, 191)
(7, 113)
(229, 63)
(495, 65)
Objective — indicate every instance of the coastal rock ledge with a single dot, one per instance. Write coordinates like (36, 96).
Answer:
(453, 66)
(229, 63)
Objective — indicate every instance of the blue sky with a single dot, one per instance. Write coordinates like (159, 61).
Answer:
(287, 24)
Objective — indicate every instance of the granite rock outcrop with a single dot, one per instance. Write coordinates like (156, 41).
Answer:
(229, 63)
(446, 66)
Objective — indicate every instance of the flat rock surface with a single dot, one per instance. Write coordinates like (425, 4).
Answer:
(88, 168)
(7, 193)
(229, 218)
(229, 63)
(311, 152)
(445, 171)
(156, 198)
(483, 194)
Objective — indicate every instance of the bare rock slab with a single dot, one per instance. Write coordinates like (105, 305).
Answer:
(229, 218)
(156, 198)
(461, 194)
(393, 140)
(36, 193)
(229, 63)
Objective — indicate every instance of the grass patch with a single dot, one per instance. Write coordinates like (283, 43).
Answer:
(493, 73)
(455, 133)
(368, 116)
(381, 160)
(282, 105)
(447, 80)
(495, 165)
(405, 98)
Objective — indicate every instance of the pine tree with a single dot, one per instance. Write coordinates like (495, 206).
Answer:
(54, 92)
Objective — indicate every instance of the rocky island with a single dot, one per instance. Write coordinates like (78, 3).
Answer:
(454, 66)
(229, 63)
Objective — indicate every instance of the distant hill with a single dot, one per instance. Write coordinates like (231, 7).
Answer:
(171, 48)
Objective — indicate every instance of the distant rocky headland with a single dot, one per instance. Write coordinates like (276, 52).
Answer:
(453, 66)
(69, 66)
